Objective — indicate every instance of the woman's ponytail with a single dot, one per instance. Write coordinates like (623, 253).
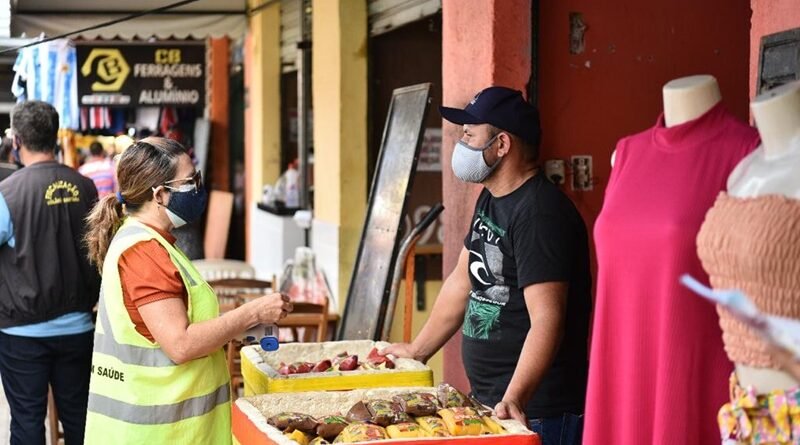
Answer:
(101, 225)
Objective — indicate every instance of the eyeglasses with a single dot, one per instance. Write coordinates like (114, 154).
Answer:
(192, 183)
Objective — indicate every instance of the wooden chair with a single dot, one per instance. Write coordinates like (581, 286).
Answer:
(313, 318)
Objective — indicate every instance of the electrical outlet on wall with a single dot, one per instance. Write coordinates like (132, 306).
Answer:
(581, 172)
(555, 170)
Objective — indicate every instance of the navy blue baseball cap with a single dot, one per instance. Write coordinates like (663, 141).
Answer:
(502, 107)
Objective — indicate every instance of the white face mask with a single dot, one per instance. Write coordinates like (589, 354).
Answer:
(468, 163)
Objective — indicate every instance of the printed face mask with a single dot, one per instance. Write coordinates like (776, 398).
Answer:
(468, 163)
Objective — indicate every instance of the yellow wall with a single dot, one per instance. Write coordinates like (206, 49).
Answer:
(339, 83)
(432, 289)
(263, 136)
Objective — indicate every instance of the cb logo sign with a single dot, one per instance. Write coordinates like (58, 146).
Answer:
(110, 67)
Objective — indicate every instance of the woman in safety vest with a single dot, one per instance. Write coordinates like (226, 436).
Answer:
(159, 375)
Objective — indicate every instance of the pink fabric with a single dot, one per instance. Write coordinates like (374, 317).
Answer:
(658, 372)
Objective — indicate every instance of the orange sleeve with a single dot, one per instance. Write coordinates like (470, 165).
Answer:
(147, 274)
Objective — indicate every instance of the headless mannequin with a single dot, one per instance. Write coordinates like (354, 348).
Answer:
(686, 99)
(771, 170)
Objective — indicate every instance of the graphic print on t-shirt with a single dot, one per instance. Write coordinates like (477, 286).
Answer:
(489, 292)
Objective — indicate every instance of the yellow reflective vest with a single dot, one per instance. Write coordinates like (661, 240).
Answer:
(137, 395)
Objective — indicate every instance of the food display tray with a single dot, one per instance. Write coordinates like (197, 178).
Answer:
(260, 369)
(250, 414)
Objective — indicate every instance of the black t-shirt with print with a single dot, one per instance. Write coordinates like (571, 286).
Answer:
(532, 235)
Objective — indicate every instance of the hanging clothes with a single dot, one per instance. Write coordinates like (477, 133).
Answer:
(95, 118)
(48, 72)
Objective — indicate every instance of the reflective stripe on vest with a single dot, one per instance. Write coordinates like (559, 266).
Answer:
(160, 414)
(129, 354)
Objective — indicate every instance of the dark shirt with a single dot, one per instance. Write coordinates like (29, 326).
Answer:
(532, 235)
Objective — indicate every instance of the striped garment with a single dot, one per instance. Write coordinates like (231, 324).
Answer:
(101, 171)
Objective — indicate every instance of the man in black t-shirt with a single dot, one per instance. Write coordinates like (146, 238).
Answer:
(521, 291)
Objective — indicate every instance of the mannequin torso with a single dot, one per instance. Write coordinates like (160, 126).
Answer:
(771, 170)
(686, 99)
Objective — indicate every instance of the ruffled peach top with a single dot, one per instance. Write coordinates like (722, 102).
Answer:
(753, 244)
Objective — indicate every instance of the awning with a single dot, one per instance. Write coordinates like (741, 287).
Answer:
(204, 18)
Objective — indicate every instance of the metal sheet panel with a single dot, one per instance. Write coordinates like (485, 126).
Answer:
(370, 284)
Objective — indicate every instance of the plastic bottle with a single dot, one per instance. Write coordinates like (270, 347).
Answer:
(292, 188)
(264, 335)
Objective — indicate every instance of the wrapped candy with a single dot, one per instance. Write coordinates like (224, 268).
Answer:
(433, 426)
(450, 397)
(417, 403)
(462, 421)
(385, 413)
(403, 430)
(359, 413)
(361, 432)
(290, 422)
(331, 426)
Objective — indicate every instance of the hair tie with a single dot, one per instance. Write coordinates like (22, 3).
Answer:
(120, 199)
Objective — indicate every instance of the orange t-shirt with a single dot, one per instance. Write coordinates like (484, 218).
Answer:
(147, 274)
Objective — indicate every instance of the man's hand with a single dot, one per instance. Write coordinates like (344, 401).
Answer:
(509, 409)
(401, 350)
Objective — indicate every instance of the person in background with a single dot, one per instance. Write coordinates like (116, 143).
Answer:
(7, 164)
(47, 285)
(100, 169)
(160, 373)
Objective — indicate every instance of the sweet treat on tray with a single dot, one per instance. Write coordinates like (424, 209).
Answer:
(404, 430)
(491, 426)
(322, 366)
(450, 397)
(385, 413)
(462, 421)
(331, 426)
(361, 432)
(289, 422)
(433, 426)
(378, 361)
(417, 403)
(359, 413)
(479, 407)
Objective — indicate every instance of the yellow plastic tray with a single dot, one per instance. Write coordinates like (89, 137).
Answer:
(260, 369)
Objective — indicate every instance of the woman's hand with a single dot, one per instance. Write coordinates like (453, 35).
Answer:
(270, 308)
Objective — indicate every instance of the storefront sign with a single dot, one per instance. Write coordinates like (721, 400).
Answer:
(141, 74)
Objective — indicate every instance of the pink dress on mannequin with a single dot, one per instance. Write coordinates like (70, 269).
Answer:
(658, 372)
